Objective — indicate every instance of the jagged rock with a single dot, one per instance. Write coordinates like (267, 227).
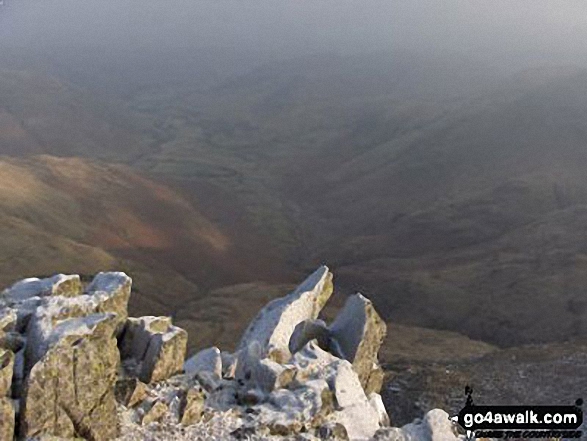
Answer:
(313, 362)
(376, 403)
(274, 325)
(157, 347)
(208, 360)
(71, 388)
(435, 426)
(359, 332)
(209, 381)
(110, 292)
(193, 407)
(375, 380)
(357, 415)
(6, 371)
(12, 341)
(267, 375)
(53, 438)
(165, 355)
(355, 412)
(309, 330)
(138, 333)
(155, 413)
(130, 391)
(291, 376)
(287, 411)
(7, 419)
(58, 285)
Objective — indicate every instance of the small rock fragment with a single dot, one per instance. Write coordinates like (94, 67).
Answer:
(157, 347)
(155, 413)
(130, 391)
(193, 408)
(208, 360)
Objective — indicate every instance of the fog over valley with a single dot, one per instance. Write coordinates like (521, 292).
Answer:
(432, 154)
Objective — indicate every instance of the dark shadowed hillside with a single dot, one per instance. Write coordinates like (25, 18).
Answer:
(454, 212)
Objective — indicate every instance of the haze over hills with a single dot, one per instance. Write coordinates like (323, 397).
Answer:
(432, 154)
(451, 210)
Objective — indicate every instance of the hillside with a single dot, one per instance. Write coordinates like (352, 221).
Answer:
(452, 210)
(41, 114)
(448, 210)
(78, 215)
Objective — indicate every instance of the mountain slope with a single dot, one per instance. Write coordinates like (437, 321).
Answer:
(41, 114)
(461, 214)
(76, 215)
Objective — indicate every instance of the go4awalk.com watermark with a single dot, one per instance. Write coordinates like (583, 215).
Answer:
(520, 422)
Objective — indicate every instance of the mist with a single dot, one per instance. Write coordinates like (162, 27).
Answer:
(499, 32)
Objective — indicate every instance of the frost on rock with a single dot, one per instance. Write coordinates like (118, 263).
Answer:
(154, 347)
(207, 360)
(73, 365)
(70, 390)
(276, 322)
(359, 332)
(59, 285)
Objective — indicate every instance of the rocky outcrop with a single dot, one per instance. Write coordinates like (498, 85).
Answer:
(73, 365)
(359, 332)
(154, 347)
(64, 354)
(208, 360)
(274, 325)
(70, 390)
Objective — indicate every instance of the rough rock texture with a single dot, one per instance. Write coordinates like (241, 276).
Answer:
(6, 371)
(359, 332)
(275, 324)
(208, 360)
(155, 413)
(111, 293)
(59, 285)
(155, 346)
(70, 390)
(130, 391)
(108, 293)
(7, 419)
(79, 368)
(8, 319)
(192, 407)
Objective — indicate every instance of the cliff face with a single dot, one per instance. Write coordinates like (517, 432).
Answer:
(74, 365)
